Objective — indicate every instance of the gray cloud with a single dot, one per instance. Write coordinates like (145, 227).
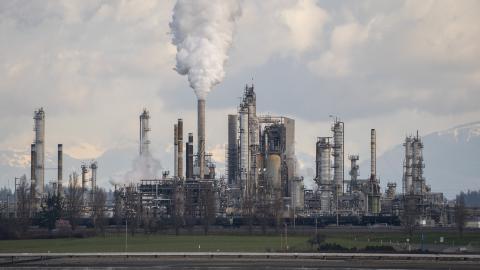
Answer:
(93, 65)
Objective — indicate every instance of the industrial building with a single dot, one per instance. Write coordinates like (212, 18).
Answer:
(39, 189)
(261, 160)
(261, 178)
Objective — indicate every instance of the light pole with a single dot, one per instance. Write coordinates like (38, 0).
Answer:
(286, 237)
(126, 233)
(126, 217)
(15, 196)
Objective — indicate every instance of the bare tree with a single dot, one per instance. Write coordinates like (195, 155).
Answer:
(460, 214)
(98, 209)
(51, 211)
(23, 204)
(262, 210)
(117, 208)
(277, 210)
(410, 214)
(248, 206)
(207, 205)
(178, 208)
(73, 200)
(133, 208)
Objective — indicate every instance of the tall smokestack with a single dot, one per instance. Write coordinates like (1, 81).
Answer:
(189, 157)
(84, 177)
(93, 167)
(33, 156)
(39, 118)
(60, 169)
(373, 153)
(201, 137)
(144, 130)
(180, 148)
(175, 150)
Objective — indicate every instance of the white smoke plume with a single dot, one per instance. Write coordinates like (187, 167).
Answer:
(203, 32)
(144, 166)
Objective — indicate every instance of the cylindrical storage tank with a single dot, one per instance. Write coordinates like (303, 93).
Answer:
(325, 201)
(273, 172)
(324, 164)
(297, 193)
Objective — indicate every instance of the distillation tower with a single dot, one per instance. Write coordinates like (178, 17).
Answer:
(323, 173)
(338, 157)
(261, 157)
(374, 185)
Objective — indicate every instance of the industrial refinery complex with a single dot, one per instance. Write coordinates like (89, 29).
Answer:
(260, 179)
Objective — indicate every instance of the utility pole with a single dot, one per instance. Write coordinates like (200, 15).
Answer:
(337, 210)
(15, 197)
(126, 218)
(126, 232)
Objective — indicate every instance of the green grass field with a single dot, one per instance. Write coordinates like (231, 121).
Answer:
(360, 240)
(247, 243)
(139, 243)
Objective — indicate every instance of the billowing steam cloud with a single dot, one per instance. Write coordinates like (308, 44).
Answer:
(203, 32)
(144, 166)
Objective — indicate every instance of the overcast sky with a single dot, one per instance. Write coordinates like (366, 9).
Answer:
(396, 66)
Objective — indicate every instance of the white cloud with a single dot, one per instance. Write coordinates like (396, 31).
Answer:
(305, 21)
(336, 61)
(396, 66)
(276, 29)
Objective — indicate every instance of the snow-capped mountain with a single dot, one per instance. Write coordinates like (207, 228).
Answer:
(451, 160)
(113, 164)
(15, 163)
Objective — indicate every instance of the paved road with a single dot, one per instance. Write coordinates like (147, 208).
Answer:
(172, 260)
(236, 264)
